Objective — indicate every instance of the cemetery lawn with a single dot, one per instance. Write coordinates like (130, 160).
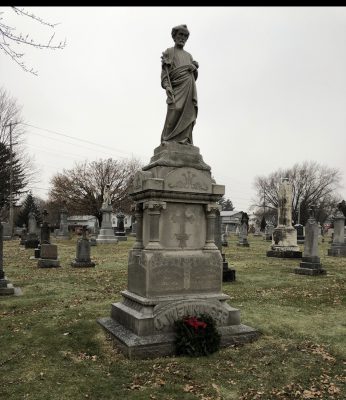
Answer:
(53, 348)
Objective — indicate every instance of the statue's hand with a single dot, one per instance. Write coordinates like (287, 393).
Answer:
(192, 68)
(195, 63)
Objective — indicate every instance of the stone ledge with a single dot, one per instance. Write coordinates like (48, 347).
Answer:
(169, 298)
(284, 254)
(151, 346)
(82, 264)
(310, 271)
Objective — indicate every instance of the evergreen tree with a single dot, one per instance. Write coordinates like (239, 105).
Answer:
(29, 205)
(226, 204)
(19, 180)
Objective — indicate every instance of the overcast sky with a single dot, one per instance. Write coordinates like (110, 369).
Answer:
(271, 87)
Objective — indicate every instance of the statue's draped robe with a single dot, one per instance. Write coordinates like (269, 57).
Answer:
(182, 113)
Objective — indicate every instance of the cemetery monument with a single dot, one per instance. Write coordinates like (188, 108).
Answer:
(174, 267)
(32, 240)
(63, 232)
(311, 264)
(83, 252)
(243, 230)
(106, 234)
(284, 242)
(120, 229)
(338, 248)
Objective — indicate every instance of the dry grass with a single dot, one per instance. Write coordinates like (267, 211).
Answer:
(52, 347)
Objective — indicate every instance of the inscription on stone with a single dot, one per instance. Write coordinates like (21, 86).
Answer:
(165, 316)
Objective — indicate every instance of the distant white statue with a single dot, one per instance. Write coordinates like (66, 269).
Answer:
(106, 196)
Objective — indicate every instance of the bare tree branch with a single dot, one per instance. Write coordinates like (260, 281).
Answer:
(8, 37)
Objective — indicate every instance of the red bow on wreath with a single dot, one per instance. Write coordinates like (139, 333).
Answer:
(193, 321)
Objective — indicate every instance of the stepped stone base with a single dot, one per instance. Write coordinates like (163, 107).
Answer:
(143, 327)
(162, 344)
(174, 269)
(106, 235)
(284, 253)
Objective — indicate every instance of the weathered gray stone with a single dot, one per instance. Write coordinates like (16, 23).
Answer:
(83, 252)
(6, 231)
(49, 256)
(6, 288)
(106, 234)
(63, 233)
(243, 231)
(268, 231)
(284, 243)
(23, 235)
(32, 240)
(174, 268)
(338, 247)
(310, 264)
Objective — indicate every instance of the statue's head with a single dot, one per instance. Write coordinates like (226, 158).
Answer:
(180, 34)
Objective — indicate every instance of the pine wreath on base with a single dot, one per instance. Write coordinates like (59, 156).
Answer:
(196, 336)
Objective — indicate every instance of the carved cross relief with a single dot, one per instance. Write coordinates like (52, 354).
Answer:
(182, 218)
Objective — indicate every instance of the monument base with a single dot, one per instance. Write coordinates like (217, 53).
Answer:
(47, 263)
(82, 264)
(106, 235)
(143, 327)
(309, 270)
(284, 253)
(121, 238)
(6, 288)
(160, 345)
(338, 250)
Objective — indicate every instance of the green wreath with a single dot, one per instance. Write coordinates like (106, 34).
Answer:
(196, 336)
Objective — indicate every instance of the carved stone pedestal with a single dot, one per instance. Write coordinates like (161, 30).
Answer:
(174, 267)
(106, 234)
(284, 243)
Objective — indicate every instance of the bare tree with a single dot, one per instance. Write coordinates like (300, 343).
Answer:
(22, 166)
(10, 39)
(312, 184)
(83, 187)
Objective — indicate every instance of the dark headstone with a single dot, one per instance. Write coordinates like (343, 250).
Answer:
(300, 233)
